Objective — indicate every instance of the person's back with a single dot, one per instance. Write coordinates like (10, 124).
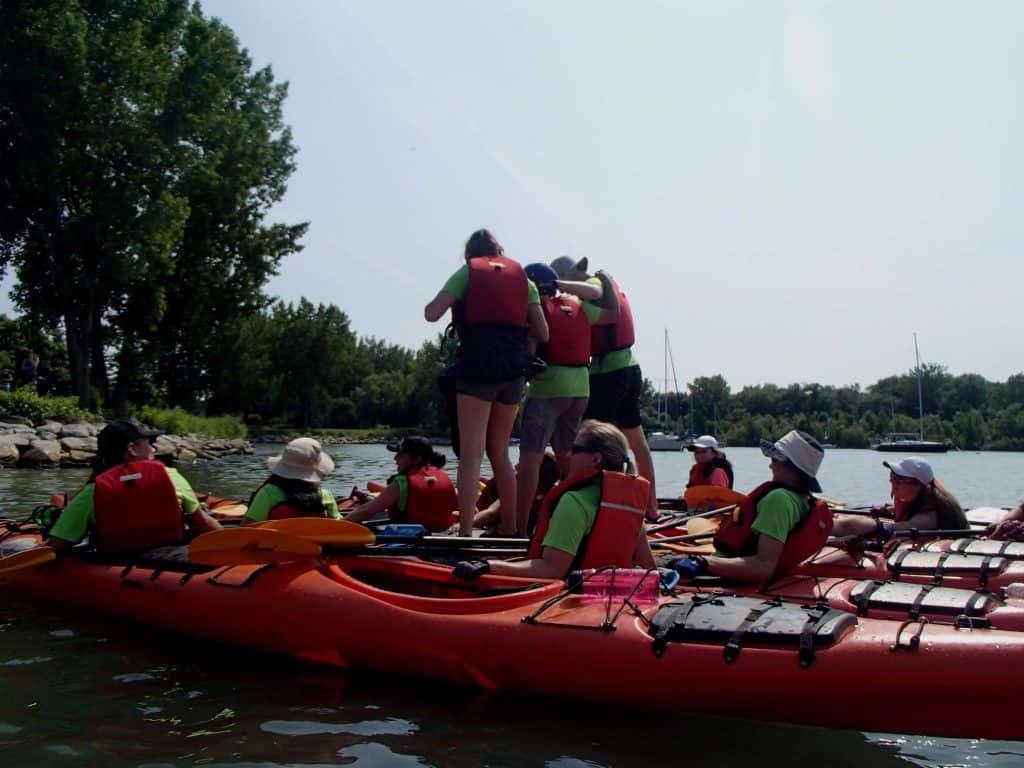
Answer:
(294, 486)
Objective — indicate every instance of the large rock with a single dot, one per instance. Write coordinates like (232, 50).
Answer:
(78, 444)
(42, 453)
(77, 459)
(19, 420)
(23, 440)
(9, 455)
(78, 429)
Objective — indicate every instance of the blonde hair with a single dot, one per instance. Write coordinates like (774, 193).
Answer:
(607, 440)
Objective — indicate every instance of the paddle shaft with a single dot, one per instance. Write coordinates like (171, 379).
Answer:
(687, 537)
(682, 518)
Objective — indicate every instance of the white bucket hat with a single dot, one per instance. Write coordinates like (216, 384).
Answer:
(801, 450)
(704, 441)
(302, 459)
(912, 466)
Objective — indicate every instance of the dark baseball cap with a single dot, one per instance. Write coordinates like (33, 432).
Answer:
(415, 445)
(117, 434)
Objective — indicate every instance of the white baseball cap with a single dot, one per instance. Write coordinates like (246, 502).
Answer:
(802, 451)
(704, 441)
(913, 467)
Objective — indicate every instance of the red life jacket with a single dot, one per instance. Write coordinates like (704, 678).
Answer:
(608, 338)
(735, 537)
(620, 516)
(698, 476)
(137, 508)
(431, 501)
(568, 332)
(288, 509)
(497, 293)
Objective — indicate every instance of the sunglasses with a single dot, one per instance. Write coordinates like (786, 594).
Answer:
(582, 449)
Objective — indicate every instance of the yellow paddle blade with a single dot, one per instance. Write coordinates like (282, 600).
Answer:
(249, 546)
(700, 525)
(834, 503)
(711, 496)
(29, 558)
(322, 530)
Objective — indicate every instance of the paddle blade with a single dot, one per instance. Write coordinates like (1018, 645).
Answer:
(711, 496)
(29, 558)
(322, 530)
(249, 546)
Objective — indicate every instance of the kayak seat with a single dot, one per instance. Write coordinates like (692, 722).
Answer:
(915, 599)
(734, 622)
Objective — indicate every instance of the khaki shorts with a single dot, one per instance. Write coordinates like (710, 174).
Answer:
(554, 419)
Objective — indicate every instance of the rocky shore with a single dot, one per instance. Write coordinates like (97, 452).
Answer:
(52, 444)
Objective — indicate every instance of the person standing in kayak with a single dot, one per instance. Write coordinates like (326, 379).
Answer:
(557, 397)
(710, 467)
(420, 491)
(494, 305)
(593, 519)
(130, 502)
(616, 382)
(294, 486)
(920, 501)
(778, 525)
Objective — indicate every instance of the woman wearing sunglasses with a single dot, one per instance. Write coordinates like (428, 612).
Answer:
(130, 502)
(919, 501)
(593, 519)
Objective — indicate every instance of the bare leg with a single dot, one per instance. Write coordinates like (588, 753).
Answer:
(526, 487)
(644, 464)
(499, 430)
(473, 417)
(562, 458)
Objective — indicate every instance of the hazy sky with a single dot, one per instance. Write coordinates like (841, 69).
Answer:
(790, 188)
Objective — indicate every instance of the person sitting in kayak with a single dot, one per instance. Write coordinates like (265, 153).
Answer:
(595, 518)
(489, 503)
(294, 486)
(778, 525)
(420, 492)
(710, 467)
(919, 501)
(130, 502)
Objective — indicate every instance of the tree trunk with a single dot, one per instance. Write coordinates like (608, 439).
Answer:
(78, 359)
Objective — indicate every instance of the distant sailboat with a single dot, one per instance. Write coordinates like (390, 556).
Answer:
(904, 442)
(661, 441)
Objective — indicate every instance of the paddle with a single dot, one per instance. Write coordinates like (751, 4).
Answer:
(252, 545)
(683, 518)
(28, 558)
(347, 533)
(687, 537)
(938, 533)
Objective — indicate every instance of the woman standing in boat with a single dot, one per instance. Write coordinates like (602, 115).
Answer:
(778, 525)
(593, 519)
(493, 306)
(294, 486)
(420, 492)
(130, 502)
(919, 501)
(710, 467)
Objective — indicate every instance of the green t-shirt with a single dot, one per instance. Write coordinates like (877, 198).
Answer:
(403, 492)
(565, 380)
(573, 518)
(615, 360)
(80, 515)
(269, 496)
(779, 512)
(458, 283)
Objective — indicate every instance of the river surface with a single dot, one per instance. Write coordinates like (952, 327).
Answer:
(80, 690)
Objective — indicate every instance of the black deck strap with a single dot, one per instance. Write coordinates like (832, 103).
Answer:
(815, 616)
(922, 593)
(678, 614)
(731, 652)
(915, 639)
(897, 566)
(986, 567)
(941, 566)
(864, 601)
(248, 580)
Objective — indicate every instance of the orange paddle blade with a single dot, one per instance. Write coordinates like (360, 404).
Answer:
(29, 558)
(321, 530)
(711, 496)
(249, 546)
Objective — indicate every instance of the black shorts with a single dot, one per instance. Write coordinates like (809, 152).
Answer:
(615, 397)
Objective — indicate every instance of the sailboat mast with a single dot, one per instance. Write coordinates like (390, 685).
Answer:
(920, 400)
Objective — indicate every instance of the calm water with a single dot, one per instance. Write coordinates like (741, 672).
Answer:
(83, 690)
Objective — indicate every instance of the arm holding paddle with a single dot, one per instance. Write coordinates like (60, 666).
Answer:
(385, 500)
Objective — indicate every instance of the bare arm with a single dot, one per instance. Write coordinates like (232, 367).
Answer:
(642, 555)
(552, 564)
(384, 501)
(754, 568)
(201, 522)
(60, 546)
(440, 304)
(580, 289)
(537, 322)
